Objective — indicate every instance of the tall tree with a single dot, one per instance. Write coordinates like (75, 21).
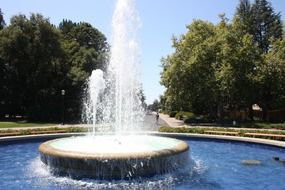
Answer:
(38, 60)
(244, 18)
(260, 21)
(2, 21)
(188, 73)
(3, 88)
(86, 49)
(235, 71)
(271, 77)
(265, 25)
(30, 49)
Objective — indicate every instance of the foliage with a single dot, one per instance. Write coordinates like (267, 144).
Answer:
(184, 115)
(240, 132)
(154, 106)
(38, 60)
(172, 113)
(19, 124)
(46, 130)
(227, 67)
(30, 51)
(2, 21)
(188, 73)
(85, 49)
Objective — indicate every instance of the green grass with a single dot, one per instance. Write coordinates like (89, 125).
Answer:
(200, 130)
(31, 131)
(19, 124)
(262, 125)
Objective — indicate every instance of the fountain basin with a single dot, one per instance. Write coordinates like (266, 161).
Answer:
(114, 157)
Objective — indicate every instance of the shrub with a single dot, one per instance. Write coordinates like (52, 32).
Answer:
(184, 115)
(190, 118)
(187, 115)
(179, 115)
(172, 113)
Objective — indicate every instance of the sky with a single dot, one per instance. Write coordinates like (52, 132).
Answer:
(160, 19)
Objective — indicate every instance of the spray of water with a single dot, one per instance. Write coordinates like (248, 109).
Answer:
(115, 101)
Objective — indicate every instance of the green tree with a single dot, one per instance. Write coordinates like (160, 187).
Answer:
(267, 24)
(188, 73)
(154, 106)
(38, 60)
(236, 68)
(259, 20)
(30, 50)
(271, 78)
(2, 21)
(244, 18)
(85, 49)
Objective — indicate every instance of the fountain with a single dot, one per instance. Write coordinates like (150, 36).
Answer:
(114, 101)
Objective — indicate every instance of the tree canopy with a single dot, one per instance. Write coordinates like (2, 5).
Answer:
(229, 66)
(38, 60)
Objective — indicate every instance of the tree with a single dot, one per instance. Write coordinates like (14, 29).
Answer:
(259, 20)
(244, 18)
(212, 70)
(2, 21)
(271, 78)
(142, 98)
(236, 68)
(188, 73)
(38, 60)
(267, 24)
(85, 49)
(31, 51)
(154, 106)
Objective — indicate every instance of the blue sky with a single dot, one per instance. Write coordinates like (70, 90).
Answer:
(161, 19)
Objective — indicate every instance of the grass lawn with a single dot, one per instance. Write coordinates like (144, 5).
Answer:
(263, 125)
(239, 132)
(19, 124)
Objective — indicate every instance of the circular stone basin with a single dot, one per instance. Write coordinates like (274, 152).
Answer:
(114, 157)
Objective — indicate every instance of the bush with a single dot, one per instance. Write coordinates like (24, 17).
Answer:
(192, 118)
(172, 113)
(187, 115)
(179, 115)
(184, 115)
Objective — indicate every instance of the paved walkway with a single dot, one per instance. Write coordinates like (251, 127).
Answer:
(171, 121)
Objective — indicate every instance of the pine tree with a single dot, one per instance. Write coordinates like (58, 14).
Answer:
(267, 24)
(2, 22)
(244, 17)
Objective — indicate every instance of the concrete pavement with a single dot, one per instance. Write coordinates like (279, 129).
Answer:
(171, 121)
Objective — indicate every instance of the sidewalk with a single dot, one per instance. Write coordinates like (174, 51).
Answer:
(171, 121)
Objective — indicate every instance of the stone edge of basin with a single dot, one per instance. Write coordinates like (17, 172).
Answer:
(46, 148)
(280, 144)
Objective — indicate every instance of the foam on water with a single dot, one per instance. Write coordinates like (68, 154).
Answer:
(167, 181)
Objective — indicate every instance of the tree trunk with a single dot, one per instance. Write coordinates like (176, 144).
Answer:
(265, 113)
(250, 112)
